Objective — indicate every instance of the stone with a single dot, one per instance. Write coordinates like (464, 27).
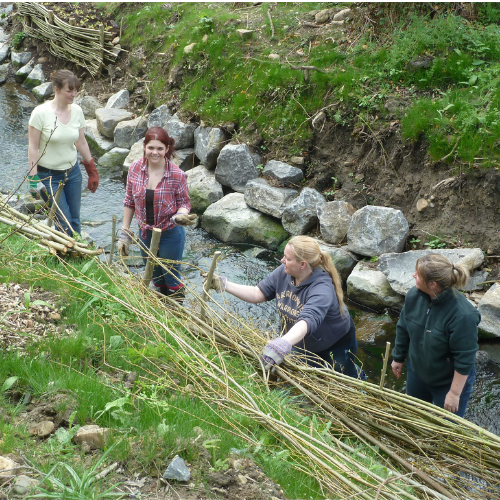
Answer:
(6, 466)
(109, 118)
(244, 34)
(282, 172)
(342, 15)
(203, 188)
(43, 91)
(189, 48)
(489, 307)
(23, 73)
(322, 16)
(421, 63)
(377, 230)
(399, 267)
(342, 259)
(89, 104)
(268, 199)
(136, 152)
(97, 142)
(182, 133)
(118, 100)
(128, 132)
(93, 436)
(301, 215)
(274, 57)
(298, 160)
(208, 143)
(422, 204)
(232, 221)
(20, 59)
(35, 77)
(42, 429)
(159, 117)
(235, 167)
(185, 159)
(369, 287)
(177, 470)
(24, 484)
(4, 72)
(113, 158)
(334, 220)
(4, 51)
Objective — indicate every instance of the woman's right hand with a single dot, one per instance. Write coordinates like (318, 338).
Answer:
(124, 241)
(397, 368)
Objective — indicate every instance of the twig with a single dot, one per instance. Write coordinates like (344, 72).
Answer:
(270, 22)
(451, 152)
(384, 368)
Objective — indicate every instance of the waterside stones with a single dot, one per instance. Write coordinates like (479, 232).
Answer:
(489, 307)
(301, 214)
(128, 132)
(43, 91)
(20, 59)
(282, 172)
(235, 167)
(268, 199)
(334, 220)
(108, 119)
(204, 190)
(34, 78)
(208, 143)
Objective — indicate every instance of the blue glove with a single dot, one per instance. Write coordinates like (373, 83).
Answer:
(274, 352)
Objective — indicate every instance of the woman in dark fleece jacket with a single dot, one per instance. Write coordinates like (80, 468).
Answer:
(310, 304)
(437, 332)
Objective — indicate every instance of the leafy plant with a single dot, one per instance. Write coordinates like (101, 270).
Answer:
(414, 243)
(17, 39)
(332, 191)
(435, 243)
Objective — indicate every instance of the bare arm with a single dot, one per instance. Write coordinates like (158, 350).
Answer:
(452, 399)
(82, 146)
(296, 333)
(128, 214)
(33, 147)
(250, 294)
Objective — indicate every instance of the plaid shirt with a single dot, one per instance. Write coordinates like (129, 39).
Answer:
(171, 193)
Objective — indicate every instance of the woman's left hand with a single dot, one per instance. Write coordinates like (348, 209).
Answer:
(184, 219)
(451, 402)
(91, 170)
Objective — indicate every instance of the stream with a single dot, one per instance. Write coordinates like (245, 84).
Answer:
(237, 263)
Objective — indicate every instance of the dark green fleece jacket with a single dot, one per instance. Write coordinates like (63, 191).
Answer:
(439, 335)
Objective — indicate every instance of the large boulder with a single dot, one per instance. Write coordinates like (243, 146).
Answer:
(43, 91)
(334, 220)
(128, 132)
(182, 133)
(377, 230)
(301, 215)
(369, 287)
(489, 307)
(136, 152)
(342, 259)
(159, 117)
(4, 72)
(97, 142)
(204, 190)
(282, 172)
(22, 74)
(399, 267)
(268, 199)
(113, 158)
(35, 78)
(235, 167)
(109, 118)
(20, 59)
(118, 100)
(231, 220)
(89, 104)
(185, 159)
(4, 51)
(208, 143)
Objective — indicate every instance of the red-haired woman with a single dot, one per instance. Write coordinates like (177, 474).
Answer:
(157, 193)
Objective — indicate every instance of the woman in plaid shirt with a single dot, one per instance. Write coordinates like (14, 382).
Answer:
(157, 193)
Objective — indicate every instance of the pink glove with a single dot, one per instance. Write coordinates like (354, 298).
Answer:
(274, 352)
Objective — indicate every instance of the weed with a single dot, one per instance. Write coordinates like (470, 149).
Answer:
(17, 40)
(435, 243)
(332, 191)
(414, 243)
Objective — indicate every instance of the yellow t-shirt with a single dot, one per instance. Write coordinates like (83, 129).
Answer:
(60, 153)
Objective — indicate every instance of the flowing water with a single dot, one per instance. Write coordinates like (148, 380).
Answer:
(373, 330)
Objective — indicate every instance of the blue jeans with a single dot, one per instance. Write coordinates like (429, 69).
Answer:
(437, 394)
(171, 248)
(71, 197)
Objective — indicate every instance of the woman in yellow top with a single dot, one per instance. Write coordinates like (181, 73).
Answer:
(56, 132)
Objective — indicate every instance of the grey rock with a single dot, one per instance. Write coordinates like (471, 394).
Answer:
(20, 59)
(7, 10)
(89, 104)
(22, 74)
(97, 142)
(268, 199)
(282, 172)
(208, 143)
(136, 152)
(334, 220)
(93, 436)
(4, 72)
(35, 77)
(128, 132)
(203, 188)
(24, 484)
(399, 267)
(322, 16)
(6, 474)
(232, 221)
(182, 133)
(301, 215)
(4, 51)
(342, 15)
(159, 117)
(235, 167)
(185, 159)
(421, 63)
(118, 100)
(369, 287)
(43, 91)
(489, 307)
(113, 158)
(342, 259)
(377, 230)
(177, 470)
(109, 118)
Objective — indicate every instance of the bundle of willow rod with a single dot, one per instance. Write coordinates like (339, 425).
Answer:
(46, 237)
(82, 46)
(427, 452)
